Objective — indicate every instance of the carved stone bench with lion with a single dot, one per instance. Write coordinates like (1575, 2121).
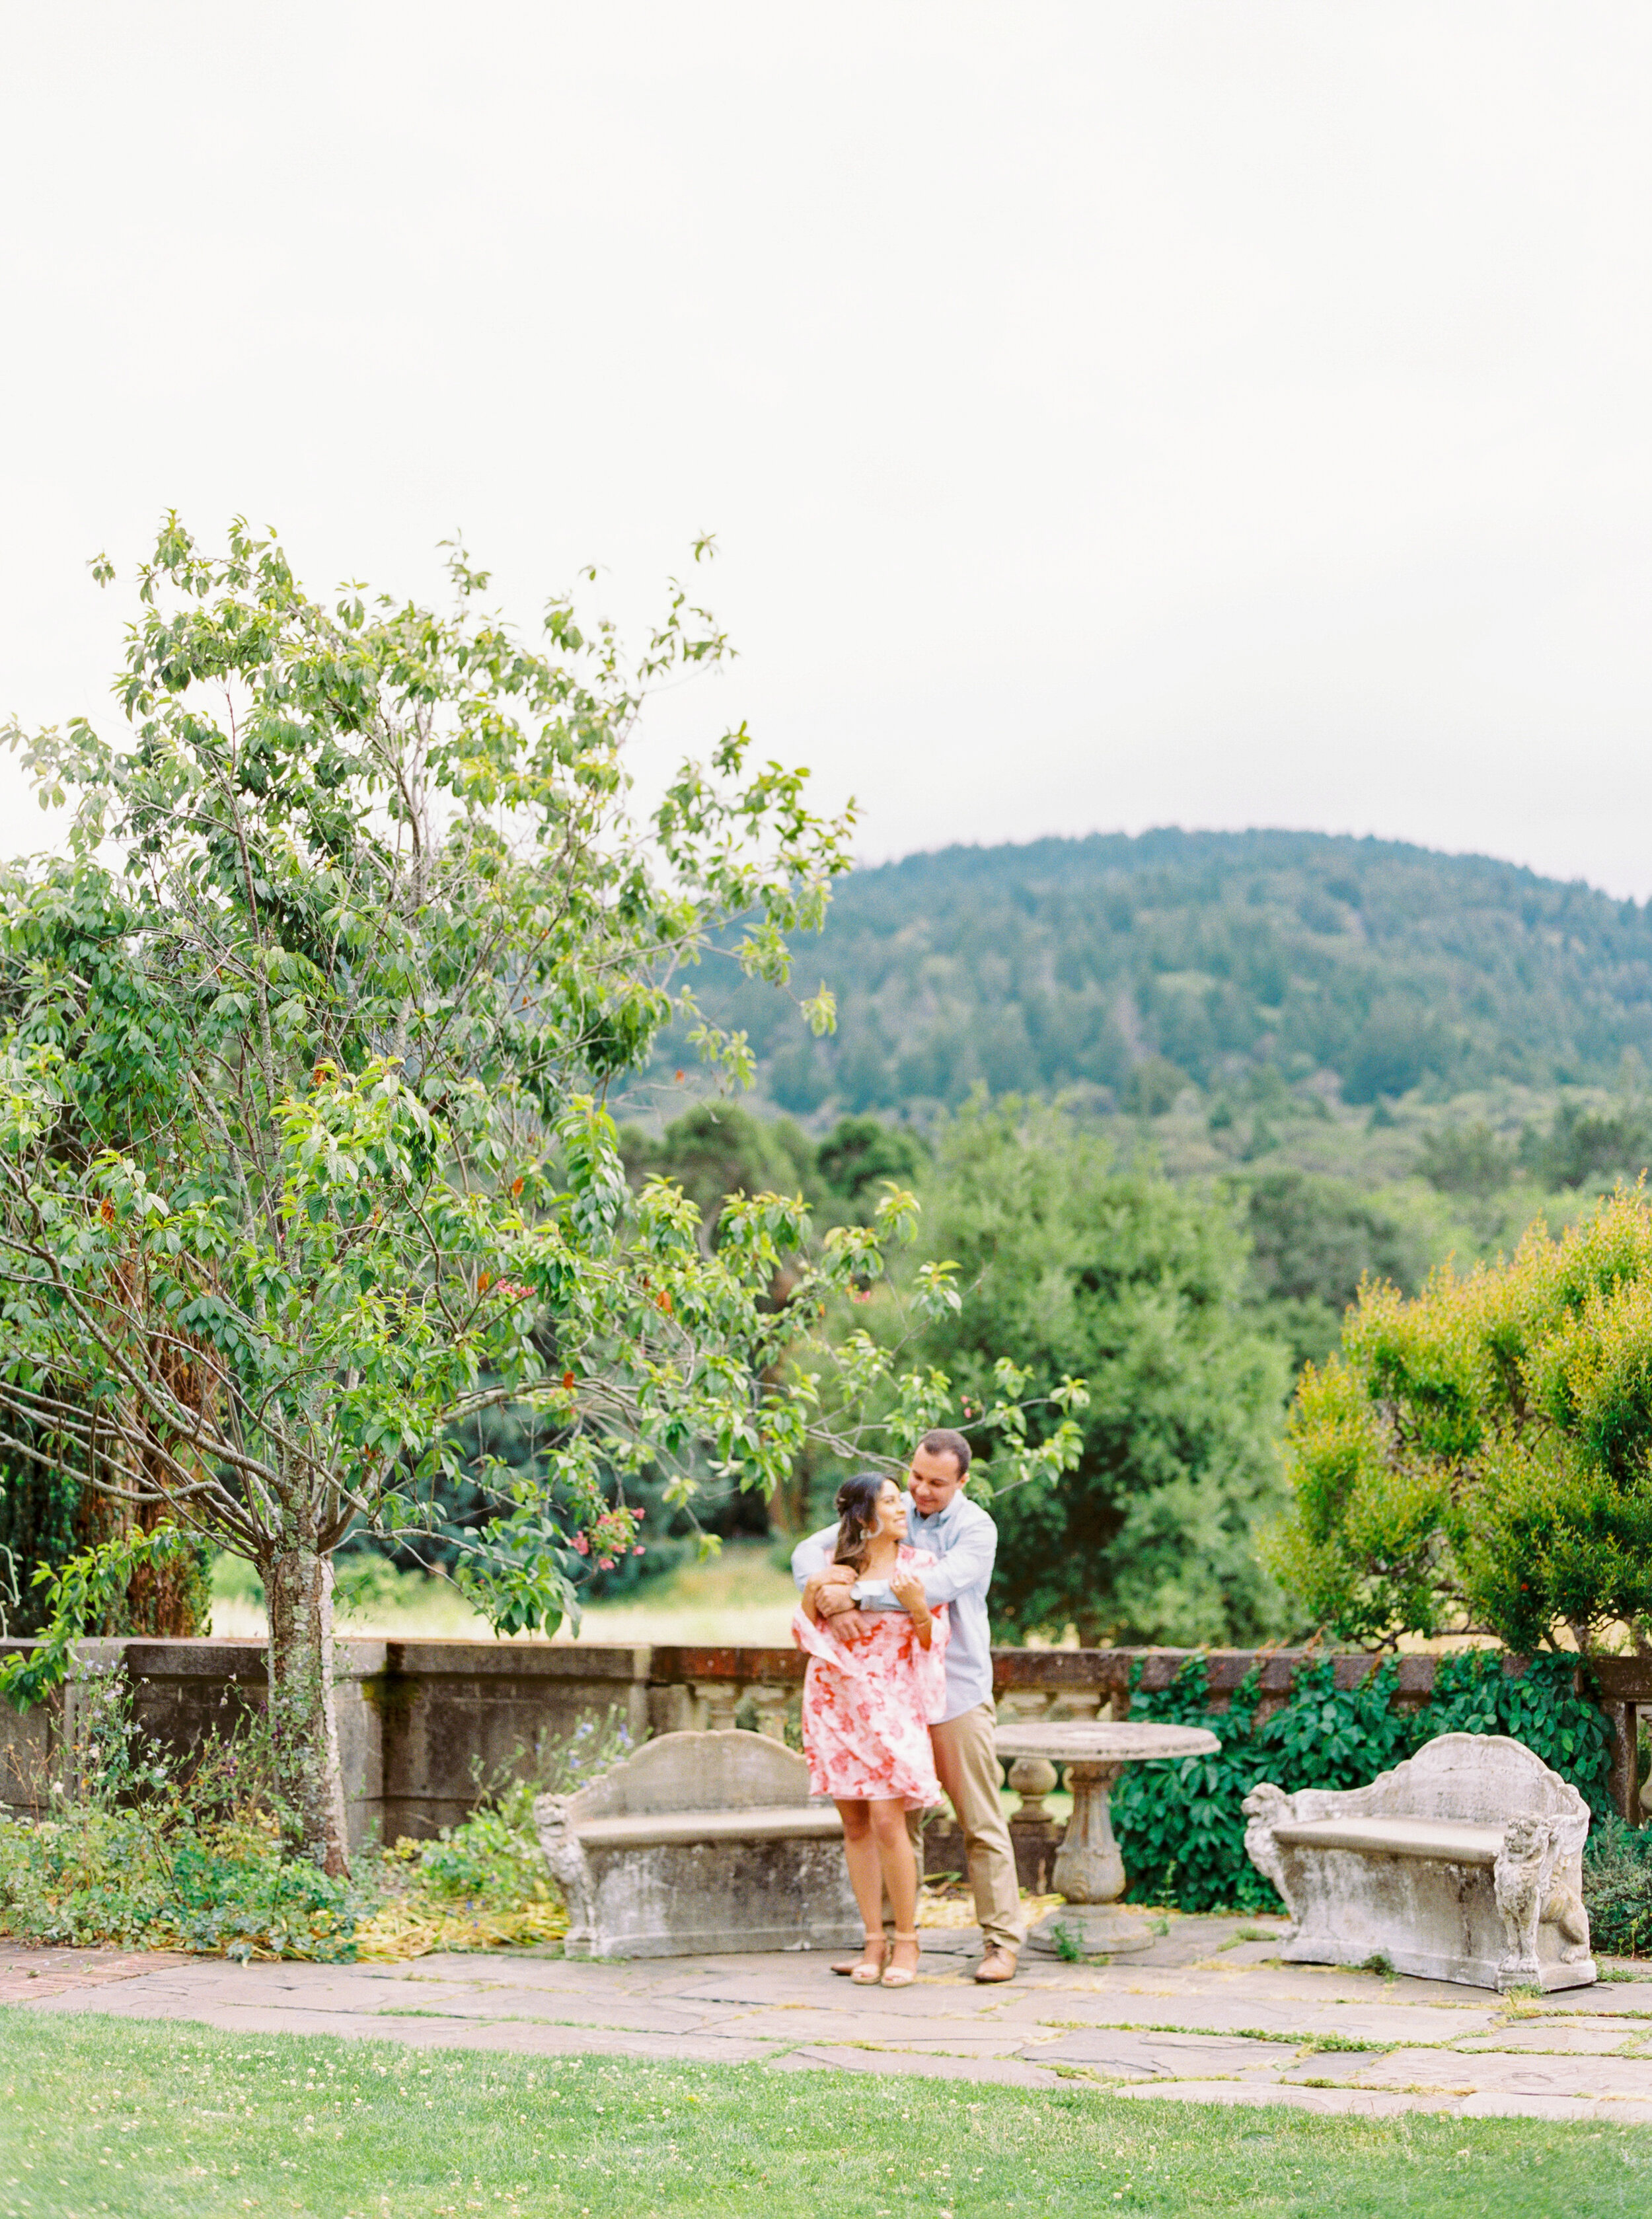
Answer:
(699, 1844)
(1464, 1863)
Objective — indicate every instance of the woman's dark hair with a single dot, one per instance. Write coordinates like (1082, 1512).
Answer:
(857, 1512)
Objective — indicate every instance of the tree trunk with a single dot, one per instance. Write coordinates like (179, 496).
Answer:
(298, 1583)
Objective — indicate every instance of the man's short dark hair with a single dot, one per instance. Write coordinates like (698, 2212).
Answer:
(944, 1442)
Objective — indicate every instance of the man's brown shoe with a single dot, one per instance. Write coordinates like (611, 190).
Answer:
(997, 1965)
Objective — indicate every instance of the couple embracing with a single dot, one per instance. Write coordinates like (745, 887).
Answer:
(897, 1699)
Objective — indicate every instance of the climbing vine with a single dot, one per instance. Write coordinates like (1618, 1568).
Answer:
(1181, 1827)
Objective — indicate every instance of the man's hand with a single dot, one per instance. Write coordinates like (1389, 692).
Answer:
(826, 1595)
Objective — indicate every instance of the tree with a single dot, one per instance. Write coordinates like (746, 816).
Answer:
(304, 1159)
(1466, 1160)
(1584, 1144)
(1153, 1085)
(50, 1514)
(1077, 1264)
(718, 1149)
(860, 1154)
(48, 1510)
(1480, 1459)
(1312, 1240)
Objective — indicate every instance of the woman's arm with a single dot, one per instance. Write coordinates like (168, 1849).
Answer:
(908, 1590)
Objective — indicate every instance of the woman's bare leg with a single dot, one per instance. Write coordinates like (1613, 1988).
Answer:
(899, 1874)
(866, 1874)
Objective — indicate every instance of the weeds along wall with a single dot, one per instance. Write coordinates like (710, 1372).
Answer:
(1180, 1829)
(132, 1843)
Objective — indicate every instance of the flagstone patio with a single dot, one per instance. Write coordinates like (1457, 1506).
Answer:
(1205, 2014)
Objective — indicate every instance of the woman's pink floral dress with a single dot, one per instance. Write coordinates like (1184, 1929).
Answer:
(868, 1697)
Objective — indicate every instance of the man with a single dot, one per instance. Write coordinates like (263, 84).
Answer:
(942, 1519)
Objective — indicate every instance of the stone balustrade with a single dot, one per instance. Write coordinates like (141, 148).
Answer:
(419, 1721)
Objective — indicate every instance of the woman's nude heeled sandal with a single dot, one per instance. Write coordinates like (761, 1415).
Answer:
(898, 1976)
(866, 1974)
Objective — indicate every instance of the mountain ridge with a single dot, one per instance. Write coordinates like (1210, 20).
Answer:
(1124, 961)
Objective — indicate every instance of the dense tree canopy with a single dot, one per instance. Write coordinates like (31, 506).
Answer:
(1079, 1264)
(1071, 962)
(1313, 1241)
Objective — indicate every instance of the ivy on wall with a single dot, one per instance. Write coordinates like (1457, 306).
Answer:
(1181, 1828)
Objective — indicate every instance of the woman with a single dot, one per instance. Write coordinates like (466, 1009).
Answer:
(876, 1677)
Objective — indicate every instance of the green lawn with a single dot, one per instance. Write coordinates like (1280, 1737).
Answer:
(134, 2118)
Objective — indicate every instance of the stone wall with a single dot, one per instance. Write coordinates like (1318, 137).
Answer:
(420, 1721)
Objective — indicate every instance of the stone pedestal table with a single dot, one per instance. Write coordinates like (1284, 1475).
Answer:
(1089, 1870)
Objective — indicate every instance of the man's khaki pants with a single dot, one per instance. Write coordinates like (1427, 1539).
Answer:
(966, 1764)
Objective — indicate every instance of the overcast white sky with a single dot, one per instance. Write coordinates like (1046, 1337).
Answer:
(1210, 412)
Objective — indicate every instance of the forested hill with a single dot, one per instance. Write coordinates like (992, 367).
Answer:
(1066, 961)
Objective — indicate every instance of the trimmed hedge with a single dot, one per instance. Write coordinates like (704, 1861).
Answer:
(1181, 1828)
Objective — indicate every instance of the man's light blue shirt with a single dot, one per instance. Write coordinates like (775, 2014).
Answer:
(965, 1541)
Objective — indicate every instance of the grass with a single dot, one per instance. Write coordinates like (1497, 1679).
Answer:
(139, 2119)
(742, 1598)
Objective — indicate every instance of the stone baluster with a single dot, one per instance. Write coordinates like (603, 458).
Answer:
(1082, 1703)
(1033, 1830)
(719, 1700)
(772, 1700)
(1031, 1778)
(1021, 1706)
(672, 1709)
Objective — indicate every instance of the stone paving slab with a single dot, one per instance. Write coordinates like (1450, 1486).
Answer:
(963, 2047)
(796, 2023)
(1541, 2076)
(28, 1976)
(1621, 1999)
(1002, 2073)
(1166, 2056)
(1361, 2103)
(1183, 2027)
(1604, 2113)
(1225, 2014)
(920, 2001)
(1596, 2037)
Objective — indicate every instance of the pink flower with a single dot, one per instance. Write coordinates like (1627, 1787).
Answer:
(581, 1544)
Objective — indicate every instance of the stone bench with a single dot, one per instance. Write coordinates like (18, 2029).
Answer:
(1464, 1863)
(701, 1844)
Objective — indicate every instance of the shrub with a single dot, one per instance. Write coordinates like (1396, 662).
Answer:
(1181, 1828)
(492, 1859)
(1617, 1888)
(1478, 1458)
(133, 1847)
